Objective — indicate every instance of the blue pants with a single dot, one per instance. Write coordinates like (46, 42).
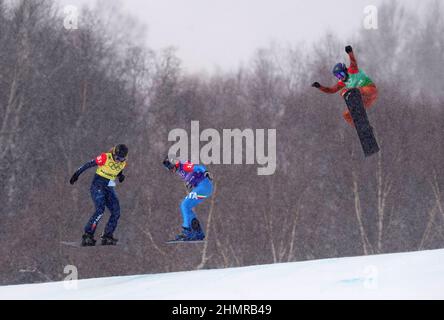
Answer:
(196, 196)
(103, 196)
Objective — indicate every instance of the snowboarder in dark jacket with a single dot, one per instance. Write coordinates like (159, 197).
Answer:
(110, 167)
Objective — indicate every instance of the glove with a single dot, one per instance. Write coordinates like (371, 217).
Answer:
(74, 178)
(316, 85)
(348, 49)
(121, 178)
(208, 175)
(188, 186)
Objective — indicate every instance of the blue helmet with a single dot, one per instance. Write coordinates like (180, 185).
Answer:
(340, 71)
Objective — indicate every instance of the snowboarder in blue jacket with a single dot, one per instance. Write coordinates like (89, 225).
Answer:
(198, 182)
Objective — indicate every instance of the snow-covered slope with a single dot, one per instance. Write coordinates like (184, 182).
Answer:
(415, 275)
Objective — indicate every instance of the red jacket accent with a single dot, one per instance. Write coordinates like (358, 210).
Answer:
(101, 160)
(188, 166)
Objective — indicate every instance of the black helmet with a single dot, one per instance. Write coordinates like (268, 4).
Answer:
(120, 151)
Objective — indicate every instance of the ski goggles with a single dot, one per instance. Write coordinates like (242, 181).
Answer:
(341, 75)
(118, 158)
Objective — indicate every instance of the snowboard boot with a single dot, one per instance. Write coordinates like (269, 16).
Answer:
(108, 240)
(185, 235)
(194, 233)
(198, 233)
(88, 240)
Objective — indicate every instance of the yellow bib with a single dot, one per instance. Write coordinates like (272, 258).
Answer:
(110, 169)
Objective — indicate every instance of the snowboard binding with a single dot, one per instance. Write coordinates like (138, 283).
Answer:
(108, 240)
(195, 233)
(88, 240)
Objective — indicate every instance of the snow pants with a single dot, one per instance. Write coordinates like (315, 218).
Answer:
(201, 192)
(103, 196)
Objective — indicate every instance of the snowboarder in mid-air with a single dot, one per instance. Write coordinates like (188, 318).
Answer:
(351, 77)
(110, 167)
(198, 182)
(359, 93)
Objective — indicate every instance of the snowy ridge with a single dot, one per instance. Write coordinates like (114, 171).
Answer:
(414, 275)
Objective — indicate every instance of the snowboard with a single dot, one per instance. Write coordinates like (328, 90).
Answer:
(179, 241)
(75, 244)
(355, 105)
(78, 244)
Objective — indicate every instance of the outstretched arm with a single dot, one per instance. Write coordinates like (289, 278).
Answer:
(351, 55)
(82, 169)
(338, 86)
(353, 62)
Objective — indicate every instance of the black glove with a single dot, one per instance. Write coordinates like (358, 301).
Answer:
(188, 186)
(74, 178)
(316, 85)
(348, 49)
(121, 177)
(208, 175)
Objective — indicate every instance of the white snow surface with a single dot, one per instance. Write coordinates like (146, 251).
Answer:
(413, 275)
